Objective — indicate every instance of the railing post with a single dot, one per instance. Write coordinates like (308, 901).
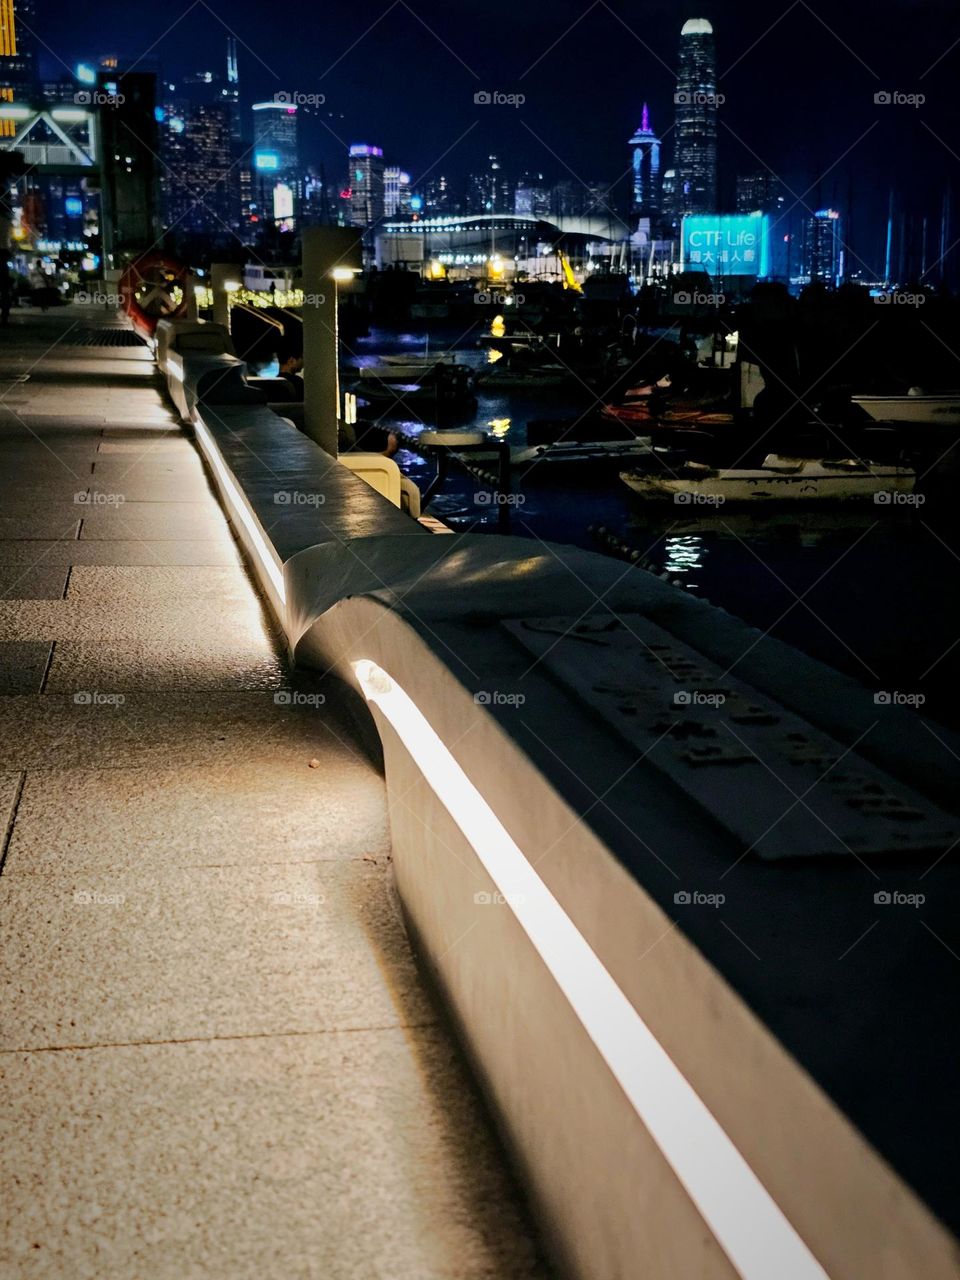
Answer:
(328, 252)
(191, 288)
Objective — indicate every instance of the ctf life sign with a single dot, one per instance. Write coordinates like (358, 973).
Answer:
(725, 244)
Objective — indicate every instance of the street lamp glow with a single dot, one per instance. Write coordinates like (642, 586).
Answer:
(342, 273)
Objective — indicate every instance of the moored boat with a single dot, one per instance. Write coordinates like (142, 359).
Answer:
(777, 479)
(916, 407)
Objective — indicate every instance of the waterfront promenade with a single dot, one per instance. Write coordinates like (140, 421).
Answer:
(217, 1057)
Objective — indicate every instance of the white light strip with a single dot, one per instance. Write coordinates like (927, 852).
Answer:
(748, 1225)
(240, 510)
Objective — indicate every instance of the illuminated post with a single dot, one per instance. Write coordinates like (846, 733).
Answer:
(225, 277)
(329, 254)
(191, 288)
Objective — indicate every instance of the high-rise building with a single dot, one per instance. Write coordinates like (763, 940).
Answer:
(231, 89)
(572, 198)
(276, 165)
(532, 196)
(490, 191)
(366, 185)
(201, 151)
(695, 148)
(760, 191)
(645, 162)
(824, 248)
(18, 59)
(129, 133)
(396, 191)
(438, 197)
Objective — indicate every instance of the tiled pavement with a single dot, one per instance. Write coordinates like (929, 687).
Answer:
(217, 1058)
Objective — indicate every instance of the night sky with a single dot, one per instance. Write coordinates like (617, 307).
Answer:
(799, 81)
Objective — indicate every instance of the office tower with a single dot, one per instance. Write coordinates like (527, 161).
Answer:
(438, 197)
(760, 191)
(231, 89)
(276, 165)
(129, 134)
(532, 196)
(366, 185)
(18, 61)
(396, 191)
(824, 250)
(695, 148)
(490, 190)
(199, 178)
(645, 161)
(200, 132)
(574, 199)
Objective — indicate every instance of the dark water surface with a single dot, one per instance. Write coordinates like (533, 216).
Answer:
(874, 591)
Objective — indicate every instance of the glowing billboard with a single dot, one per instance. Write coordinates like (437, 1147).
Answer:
(282, 201)
(725, 244)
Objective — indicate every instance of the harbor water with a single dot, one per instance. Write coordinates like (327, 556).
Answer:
(845, 584)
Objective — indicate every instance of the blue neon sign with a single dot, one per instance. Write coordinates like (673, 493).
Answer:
(725, 244)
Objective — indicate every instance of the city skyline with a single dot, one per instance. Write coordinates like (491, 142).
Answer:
(798, 94)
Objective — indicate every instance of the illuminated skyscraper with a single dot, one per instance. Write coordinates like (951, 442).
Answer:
(645, 146)
(532, 195)
(695, 150)
(396, 191)
(18, 70)
(760, 190)
(824, 248)
(276, 164)
(18, 63)
(366, 185)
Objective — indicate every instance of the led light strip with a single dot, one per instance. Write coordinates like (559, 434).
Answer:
(748, 1225)
(240, 509)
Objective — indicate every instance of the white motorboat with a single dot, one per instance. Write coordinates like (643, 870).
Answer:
(916, 406)
(778, 479)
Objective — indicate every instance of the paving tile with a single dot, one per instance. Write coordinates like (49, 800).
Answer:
(10, 786)
(31, 527)
(90, 583)
(225, 661)
(148, 466)
(134, 818)
(55, 495)
(22, 666)
(108, 957)
(128, 551)
(33, 582)
(209, 624)
(168, 521)
(157, 730)
(124, 443)
(138, 488)
(345, 1156)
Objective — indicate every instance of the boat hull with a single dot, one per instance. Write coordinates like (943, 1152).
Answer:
(768, 486)
(936, 410)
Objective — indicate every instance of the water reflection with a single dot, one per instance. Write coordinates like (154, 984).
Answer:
(683, 555)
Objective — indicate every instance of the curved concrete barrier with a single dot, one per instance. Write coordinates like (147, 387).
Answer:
(689, 1093)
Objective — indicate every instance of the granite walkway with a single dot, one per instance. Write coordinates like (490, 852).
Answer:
(217, 1058)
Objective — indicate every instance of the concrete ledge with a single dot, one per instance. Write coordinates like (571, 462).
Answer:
(741, 1089)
